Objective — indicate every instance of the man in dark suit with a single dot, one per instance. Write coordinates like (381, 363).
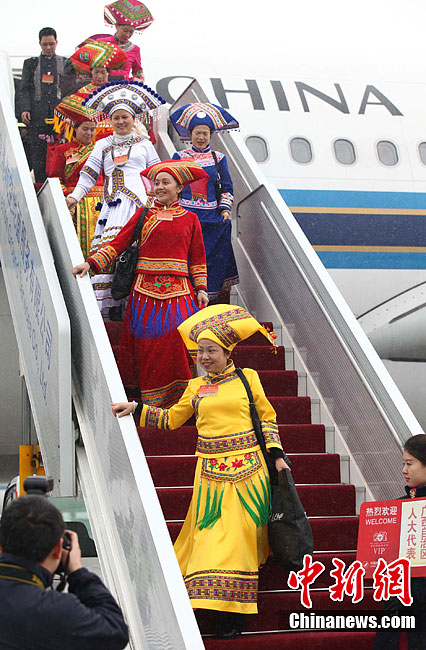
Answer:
(39, 93)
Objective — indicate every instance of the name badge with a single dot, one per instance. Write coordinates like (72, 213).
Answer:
(209, 390)
(47, 78)
(72, 159)
(164, 215)
(121, 160)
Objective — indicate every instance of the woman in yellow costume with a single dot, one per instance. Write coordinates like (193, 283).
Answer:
(65, 161)
(224, 540)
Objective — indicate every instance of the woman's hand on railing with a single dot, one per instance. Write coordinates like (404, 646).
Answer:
(122, 408)
(81, 269)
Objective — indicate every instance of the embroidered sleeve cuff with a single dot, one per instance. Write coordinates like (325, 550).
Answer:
(199, 276)
(226, 201)
(103, 259)
(271, 434)
(154, 418)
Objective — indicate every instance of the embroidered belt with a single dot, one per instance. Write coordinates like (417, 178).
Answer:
(226, 444)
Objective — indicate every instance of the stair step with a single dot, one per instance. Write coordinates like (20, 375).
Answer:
(306, 438)
(318, 501)
(258, 357)
(273, 576)
(323, 529)
(170, 471)
(275, 608)
(330, 640)
(114, 333)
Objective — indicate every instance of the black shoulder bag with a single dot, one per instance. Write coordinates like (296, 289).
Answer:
(125, 264)
(218, 182)
(289, 531)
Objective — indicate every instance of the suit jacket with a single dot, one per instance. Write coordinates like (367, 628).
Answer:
(35, 96)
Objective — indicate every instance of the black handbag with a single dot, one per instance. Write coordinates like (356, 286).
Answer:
(289, 531)
(125, 264)
(218, 182)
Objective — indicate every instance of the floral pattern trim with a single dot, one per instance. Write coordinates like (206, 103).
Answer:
(226, 585)
(231, 468)
(162, 286)
(221, 445)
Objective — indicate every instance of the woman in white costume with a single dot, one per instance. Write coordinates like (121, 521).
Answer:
(122, 156)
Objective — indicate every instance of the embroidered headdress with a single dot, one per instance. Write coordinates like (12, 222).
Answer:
(133, 96)
(128, 12)
(96, 54)
(185, 118)
(226, 325)
(184, 171)
(70, 112)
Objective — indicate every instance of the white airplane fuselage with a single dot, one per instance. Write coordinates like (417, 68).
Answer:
(365, 216)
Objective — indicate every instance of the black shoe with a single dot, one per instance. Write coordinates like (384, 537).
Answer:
(115, 313)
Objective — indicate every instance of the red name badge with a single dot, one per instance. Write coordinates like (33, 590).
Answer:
(208, 390)
(391, 530)
(72, 159)
(47, 78)
(164, 215)
(121, 160)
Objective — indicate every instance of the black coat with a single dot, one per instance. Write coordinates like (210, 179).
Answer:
(37, 618)
(389, 639)
(26, 99)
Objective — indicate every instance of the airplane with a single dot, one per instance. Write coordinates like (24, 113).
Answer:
(348, 155)
(349, 159)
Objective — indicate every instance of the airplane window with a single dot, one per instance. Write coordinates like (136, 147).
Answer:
(344, 152)
(422, 152)
(301, 150)
(387, 152)
(257, 147)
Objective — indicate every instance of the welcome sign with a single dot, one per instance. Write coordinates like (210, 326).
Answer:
(392, 530)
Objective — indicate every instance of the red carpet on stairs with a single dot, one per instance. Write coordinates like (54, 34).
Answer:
(329, 504)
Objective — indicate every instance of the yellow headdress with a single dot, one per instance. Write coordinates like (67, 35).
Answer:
(226, 325)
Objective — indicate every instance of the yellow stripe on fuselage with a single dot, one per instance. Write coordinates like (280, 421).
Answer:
(373, 249)
(310, 210)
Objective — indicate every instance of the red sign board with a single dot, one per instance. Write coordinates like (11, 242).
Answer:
(391, 530)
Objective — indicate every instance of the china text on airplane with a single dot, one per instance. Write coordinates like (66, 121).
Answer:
(371, 95)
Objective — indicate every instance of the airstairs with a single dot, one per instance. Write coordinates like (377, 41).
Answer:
(338, 409)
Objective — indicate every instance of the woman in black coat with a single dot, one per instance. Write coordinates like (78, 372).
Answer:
(414, 471)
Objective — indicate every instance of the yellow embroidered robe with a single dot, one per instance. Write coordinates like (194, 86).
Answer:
(224, 540)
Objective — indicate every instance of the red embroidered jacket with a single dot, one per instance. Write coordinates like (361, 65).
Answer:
(166, 231)
(69, 173)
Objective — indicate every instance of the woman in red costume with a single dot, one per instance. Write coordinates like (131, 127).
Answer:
(171, 269)
(65, 161)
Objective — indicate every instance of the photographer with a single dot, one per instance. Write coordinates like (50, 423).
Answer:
(33, 616)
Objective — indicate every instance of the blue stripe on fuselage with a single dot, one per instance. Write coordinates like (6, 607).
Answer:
(350, 199)
(362, 229)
